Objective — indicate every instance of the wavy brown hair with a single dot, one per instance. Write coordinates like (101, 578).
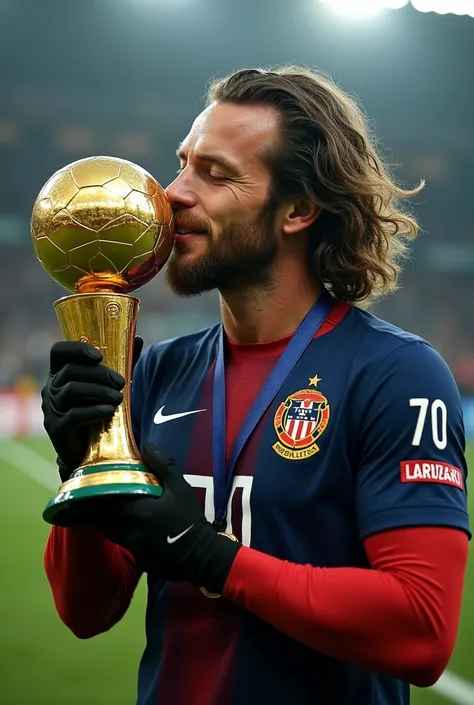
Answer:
(328, 153)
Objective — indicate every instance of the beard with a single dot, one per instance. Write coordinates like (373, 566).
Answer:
(241, 257)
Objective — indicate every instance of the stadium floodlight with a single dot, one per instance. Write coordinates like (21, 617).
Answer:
(425, 5)
(463, 7)
(354, 8)
(394, 4)
(363, 8)
(443, 7)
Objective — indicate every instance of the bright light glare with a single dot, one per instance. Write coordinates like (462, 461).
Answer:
(443, 7)
(395, 4)
(424, 5)
(463, 7)
(361, 8)
(364, 8)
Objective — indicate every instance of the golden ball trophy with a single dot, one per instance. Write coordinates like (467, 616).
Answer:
(102, 227)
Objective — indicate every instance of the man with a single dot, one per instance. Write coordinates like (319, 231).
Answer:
(312, 538)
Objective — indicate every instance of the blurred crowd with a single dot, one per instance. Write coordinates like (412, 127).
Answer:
(28, 323)
(436, 306)
(135, 91)
(434, 300)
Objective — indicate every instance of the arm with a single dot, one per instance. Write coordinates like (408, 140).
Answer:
(92, 580)
(400, 614)
(399, 617)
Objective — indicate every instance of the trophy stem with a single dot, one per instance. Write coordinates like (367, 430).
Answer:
(112, 464)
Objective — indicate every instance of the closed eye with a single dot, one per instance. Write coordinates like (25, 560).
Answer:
(216, 177)
(207, 173)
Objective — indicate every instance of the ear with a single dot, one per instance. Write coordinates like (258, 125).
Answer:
(300, 215)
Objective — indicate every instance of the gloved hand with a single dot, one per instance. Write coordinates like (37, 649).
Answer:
(79, 391)
(169, 535)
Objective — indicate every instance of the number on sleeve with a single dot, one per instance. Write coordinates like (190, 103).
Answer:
(439, 421)
(420, 424)
(440, 434)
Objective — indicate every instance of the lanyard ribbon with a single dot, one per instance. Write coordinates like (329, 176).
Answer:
(223, 477)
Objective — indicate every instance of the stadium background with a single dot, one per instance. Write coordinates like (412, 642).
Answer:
(126, 78)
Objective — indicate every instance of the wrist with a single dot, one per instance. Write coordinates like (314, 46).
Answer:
(216, 561)
(65, 471)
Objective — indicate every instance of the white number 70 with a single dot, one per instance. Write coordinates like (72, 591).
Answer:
(439, 422)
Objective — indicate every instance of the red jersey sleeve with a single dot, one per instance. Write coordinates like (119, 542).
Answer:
(400, 616)
(92, 580)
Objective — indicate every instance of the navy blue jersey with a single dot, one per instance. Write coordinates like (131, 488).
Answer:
(365, 435)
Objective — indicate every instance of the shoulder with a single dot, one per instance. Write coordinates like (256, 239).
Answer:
(187, 345)
(383, 360)
(380, 344)
(174, 356)
(373, 330)
(397, 370)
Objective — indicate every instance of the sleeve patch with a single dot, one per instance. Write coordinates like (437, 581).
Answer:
(431, 471)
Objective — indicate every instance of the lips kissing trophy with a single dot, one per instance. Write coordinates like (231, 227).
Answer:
(102, 227)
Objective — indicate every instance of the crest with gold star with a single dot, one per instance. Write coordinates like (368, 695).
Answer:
(299, 422)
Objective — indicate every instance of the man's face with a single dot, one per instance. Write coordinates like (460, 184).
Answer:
(226, 235)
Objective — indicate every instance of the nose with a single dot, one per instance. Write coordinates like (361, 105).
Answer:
(180, 193)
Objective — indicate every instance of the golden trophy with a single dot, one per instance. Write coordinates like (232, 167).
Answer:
(102, 227)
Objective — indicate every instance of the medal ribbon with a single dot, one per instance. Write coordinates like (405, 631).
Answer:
(223, 477)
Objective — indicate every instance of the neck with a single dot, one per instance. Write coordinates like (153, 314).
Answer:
(259, 314)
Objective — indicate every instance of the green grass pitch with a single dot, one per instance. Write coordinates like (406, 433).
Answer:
(42, 663)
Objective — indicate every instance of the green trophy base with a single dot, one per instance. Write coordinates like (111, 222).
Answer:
(85, 498)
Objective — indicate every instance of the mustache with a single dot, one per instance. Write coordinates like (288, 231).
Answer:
(189, 222)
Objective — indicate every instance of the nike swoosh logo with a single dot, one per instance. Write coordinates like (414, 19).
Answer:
(161, 418)
(173, 539)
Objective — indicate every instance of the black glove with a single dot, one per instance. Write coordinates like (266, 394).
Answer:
(79, 391)
(169, 535)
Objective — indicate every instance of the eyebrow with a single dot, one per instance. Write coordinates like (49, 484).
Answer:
(214, 158)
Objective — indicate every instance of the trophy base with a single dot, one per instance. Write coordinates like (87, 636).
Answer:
(87, 496)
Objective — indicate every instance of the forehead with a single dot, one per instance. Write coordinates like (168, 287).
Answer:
(243, 132)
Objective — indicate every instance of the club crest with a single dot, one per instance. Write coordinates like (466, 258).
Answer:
(299, 421)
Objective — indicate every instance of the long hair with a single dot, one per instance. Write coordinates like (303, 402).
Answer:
(326, 152)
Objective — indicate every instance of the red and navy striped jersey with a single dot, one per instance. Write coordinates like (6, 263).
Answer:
(365, 435)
